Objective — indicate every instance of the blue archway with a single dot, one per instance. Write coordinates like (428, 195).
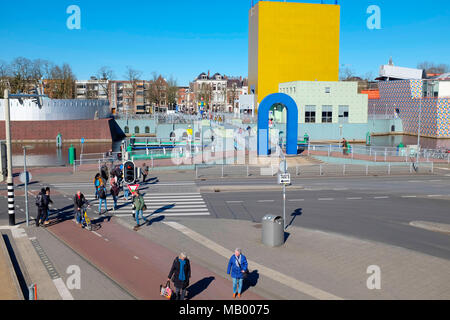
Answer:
(263, 123)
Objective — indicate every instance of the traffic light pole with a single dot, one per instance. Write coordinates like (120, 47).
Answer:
(11, 212)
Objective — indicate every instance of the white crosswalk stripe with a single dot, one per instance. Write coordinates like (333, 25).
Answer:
(176, 204)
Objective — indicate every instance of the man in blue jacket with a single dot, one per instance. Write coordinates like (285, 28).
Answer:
(237, 266)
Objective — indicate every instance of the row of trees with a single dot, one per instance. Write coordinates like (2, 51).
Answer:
(22, 74)
(157, 91)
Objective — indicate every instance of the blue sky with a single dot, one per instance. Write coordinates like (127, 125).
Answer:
(184, 38)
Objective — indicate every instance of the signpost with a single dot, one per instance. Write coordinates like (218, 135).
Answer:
(284, 178)
(82, 144)
(25, 178)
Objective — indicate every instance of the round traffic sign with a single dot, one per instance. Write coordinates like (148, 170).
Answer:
(25, 175)
(283, 166)
(82, 140)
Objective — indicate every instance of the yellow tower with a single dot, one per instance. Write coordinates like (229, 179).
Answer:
(292, 42)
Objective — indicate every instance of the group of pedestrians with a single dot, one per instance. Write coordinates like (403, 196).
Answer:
(180, 273)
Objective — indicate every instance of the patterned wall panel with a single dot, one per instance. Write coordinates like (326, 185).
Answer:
(406, 95)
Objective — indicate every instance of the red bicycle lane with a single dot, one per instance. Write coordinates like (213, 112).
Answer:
(139, 265)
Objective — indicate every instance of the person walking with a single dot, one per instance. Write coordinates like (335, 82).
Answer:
(139, 206)
(144, 172)
(79, 201)
(104, 170)
(114, 191)
(180, 273)
(97, 183)
(47, 215)
(344, 147)
(237, 267)
(102, 199)
(42, 204)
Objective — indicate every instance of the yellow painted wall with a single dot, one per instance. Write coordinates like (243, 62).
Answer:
(292, 42)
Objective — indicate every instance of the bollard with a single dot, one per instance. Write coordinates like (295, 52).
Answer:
(343, 173)
(320, 168)
(389, 169)
(375, 156)
(367, 169)
(248, 174)
(32, 292)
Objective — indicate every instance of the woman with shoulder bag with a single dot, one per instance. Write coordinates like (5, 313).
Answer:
(238, 268)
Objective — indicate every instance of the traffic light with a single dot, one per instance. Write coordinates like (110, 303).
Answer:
(129, 172)
(38, 100)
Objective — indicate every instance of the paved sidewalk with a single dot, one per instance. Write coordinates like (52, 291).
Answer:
(138, 265)
(329, 262)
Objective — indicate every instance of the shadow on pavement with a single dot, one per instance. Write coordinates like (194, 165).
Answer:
(298, 212)
(251, 281)
(198, 287)
(157, 219)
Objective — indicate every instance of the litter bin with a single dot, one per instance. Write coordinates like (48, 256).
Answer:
(273, 231)
(72, 154)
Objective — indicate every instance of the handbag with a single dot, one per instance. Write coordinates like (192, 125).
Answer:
(165, 291)
(246, 272)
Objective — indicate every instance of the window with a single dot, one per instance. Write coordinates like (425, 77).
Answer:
(327, 90)
(127, 130)
(136, 130)
(327, 114)
(310, 114)
(343, 114)
(147, 130)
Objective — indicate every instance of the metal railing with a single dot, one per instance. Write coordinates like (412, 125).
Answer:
(383, 154)
(388, 169)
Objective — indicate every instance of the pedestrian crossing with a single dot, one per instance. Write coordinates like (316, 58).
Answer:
(90, 185)
(159, 204)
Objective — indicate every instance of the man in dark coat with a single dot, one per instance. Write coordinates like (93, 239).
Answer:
(180, 274)
(42, 203)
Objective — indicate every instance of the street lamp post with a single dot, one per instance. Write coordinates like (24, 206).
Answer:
(11, 212)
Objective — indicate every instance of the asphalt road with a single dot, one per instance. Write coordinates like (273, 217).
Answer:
(378, 209)
(374, 208)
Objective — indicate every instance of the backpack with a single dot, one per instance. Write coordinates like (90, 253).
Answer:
(102, 193)
(39, 200)
(115, 189)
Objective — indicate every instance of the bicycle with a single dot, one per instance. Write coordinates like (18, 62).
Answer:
(85, 218)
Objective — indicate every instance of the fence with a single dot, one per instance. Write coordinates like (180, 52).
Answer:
(381, 154)
(329, 170)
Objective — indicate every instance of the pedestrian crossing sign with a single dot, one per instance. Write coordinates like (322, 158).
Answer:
(133, 188)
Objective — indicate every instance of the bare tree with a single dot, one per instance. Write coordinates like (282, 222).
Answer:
(433, 68)
(133, 77)
(204, 94)
(346, 74)
(157, 93)
(172, 91)
(4, 77)
(105, 74)
(61, 82)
